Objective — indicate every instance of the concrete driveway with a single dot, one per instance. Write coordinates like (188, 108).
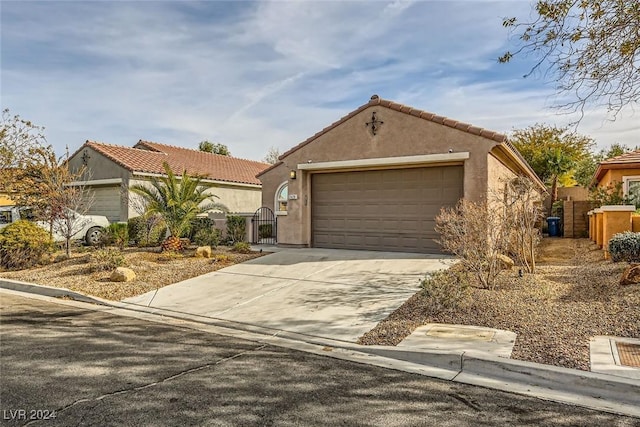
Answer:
(330, 293)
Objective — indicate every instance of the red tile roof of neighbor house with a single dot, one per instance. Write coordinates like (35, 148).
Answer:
(149, 157)
(464, 127)
(624, 161)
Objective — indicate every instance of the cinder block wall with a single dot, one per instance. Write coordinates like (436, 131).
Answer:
(575, 219)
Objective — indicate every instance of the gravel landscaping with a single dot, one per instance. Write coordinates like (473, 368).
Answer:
(574, 296)
(153, 270)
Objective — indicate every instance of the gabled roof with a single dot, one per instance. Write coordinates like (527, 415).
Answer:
(425, 115)
(630, 160)
(148, 157)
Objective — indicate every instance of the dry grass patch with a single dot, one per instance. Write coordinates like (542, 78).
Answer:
(574, 296)
(153, 270)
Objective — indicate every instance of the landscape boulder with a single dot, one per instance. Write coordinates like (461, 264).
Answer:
(506, 263)
(203, 252)
(122, 274)
(631, 275)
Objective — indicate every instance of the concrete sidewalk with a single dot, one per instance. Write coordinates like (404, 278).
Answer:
(329, 293)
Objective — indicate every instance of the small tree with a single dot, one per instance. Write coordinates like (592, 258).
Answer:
(558, 164)
(214, 147)
(272, 156)
(21, 144)
(178, 200)
(68, 208)
(552, 152)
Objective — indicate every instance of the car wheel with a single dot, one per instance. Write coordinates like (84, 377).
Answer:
(94, 235)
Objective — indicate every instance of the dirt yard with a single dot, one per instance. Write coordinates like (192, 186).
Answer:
(574, 295)
(153, 270)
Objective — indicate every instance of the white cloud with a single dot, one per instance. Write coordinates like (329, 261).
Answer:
(255, 75)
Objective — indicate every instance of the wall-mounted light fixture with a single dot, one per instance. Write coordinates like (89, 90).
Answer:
(292, 174)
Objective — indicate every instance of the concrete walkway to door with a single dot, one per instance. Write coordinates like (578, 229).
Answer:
(338, 294)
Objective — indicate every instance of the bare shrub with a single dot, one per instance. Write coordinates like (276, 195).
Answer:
(523, 211)
(476, 233)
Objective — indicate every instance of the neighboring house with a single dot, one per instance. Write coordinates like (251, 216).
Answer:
(377, 178)
(111, 169)
(623, 169)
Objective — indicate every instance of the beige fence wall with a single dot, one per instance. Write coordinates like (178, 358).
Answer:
(568, 193)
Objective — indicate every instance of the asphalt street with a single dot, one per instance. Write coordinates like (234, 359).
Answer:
(92, 368)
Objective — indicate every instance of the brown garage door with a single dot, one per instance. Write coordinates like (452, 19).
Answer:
(384, 210)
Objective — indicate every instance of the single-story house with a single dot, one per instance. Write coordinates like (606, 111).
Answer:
(623, 169)
(377, 178)
(112, 169)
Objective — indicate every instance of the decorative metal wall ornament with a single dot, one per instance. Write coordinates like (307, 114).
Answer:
(85, 158)
(374, 123)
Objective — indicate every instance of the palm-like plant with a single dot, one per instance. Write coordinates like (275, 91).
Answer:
(558, 163)
(178, 200)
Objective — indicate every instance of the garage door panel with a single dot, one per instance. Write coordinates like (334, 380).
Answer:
(390, 210)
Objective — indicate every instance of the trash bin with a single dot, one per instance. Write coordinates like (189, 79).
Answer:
(554, 226)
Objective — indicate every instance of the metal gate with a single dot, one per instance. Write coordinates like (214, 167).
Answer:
(264, 227)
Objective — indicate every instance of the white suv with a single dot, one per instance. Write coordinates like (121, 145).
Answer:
(90, 226)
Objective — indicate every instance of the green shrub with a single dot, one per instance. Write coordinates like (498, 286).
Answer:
(23, 244)
(116, 234)
(207, 237)
(200, 224)
(146, 230)
(625, 247)
(107, 259)
(135, 229)
(241, 247)
(445, 289)
(265, 231)
(236, 228)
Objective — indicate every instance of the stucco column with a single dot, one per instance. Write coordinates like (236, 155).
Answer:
(615, 219)
(597, 213)
(590, 219)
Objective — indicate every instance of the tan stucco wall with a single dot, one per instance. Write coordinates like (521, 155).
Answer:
(400, 135)
(98, 166)
(614, 222)
(237, 199)
(615, 175)
(498, 176)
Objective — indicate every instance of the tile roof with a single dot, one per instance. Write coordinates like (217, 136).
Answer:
(630, 157)
(623, 161)
(445, 121)
(148, 157)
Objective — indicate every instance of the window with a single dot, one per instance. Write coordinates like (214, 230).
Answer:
(282, 197)
(631, 188)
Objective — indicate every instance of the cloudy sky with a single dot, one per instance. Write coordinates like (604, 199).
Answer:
(253, 75)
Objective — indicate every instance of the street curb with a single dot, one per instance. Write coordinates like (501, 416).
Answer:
(581, 388)
(49, 291)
